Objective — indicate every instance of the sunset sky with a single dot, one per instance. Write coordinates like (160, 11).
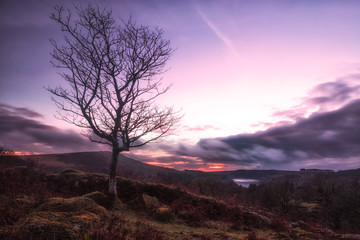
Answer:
(262, 84)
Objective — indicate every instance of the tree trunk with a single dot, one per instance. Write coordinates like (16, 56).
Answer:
(112, 175)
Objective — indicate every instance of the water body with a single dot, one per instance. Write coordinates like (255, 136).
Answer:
(245, 182)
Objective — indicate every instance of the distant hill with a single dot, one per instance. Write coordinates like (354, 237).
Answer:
(99, 162)
(259, 174)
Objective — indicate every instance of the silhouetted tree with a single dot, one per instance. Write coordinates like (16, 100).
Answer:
(4, 151)
(110, 69)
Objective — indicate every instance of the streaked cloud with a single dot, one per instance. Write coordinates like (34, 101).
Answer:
(218, 33)
(21, 131)
(324, 97)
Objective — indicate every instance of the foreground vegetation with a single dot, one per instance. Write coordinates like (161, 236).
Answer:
(38, 204)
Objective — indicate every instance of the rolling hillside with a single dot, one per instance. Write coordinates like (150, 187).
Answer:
(98, 162)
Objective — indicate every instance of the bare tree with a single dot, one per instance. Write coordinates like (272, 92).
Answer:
(4, 151)
(111, 70)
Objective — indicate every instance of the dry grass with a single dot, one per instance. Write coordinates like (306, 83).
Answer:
(27, 196)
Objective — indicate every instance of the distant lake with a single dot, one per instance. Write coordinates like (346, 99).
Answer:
(245, 182)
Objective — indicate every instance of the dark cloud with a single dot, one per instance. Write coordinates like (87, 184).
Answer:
(314, 141)
(209, 151)
(331, 134)
(19, 131)
(10, 110)
(336, 92)
(325, 97)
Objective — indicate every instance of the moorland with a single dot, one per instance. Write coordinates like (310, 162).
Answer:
(64, 196)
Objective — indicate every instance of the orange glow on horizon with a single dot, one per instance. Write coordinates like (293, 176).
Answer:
(209, 167)
(25, 153)
(181, 162)
(216, 167)
(213, 167)
(159, 164)
(204, 169)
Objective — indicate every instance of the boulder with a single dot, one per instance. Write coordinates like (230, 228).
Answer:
(145, 203)
(150, 203)
(72, 205)
(61, 218)
(57, 225)
(71, 175)
(100, 198)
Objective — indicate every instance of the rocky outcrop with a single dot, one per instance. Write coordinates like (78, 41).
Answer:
(62, 218)
(57, 225)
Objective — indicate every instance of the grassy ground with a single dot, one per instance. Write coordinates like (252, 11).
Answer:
(181, 230)
(35, 204)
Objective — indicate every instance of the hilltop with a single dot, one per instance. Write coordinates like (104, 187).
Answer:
(97, 162)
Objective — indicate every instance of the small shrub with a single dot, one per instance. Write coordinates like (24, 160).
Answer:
(146, 232)
(13, 209)
(280, 224)
(21, 180)
(191, 214)
(111, 228)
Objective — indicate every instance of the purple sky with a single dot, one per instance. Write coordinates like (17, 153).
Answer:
(262, 84)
